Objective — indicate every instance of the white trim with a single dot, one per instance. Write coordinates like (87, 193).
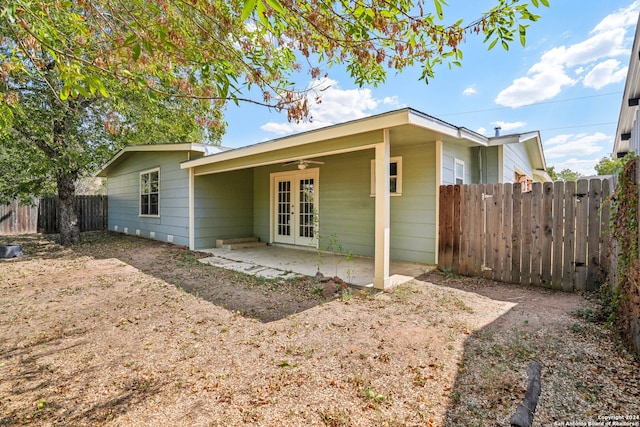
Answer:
(188, 146)
(501, 164)
(382, 122)
(381, 279)
(286, 159)
(398, 161)
(457, 162)
(192, 211)
(144, 172)
(439, 163)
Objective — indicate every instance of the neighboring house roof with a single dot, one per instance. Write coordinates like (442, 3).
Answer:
(630, 100)
(412, 124)
(186, 147)
(533, 145)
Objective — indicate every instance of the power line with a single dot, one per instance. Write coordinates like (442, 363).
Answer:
(530, 105)
(580, 126)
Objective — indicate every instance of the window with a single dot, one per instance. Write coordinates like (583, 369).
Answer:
(150, 192)
(459, 171)
(395, 176)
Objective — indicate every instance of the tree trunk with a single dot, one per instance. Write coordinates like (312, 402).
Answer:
(69, 228)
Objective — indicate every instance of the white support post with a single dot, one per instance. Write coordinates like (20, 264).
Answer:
(437, 190)
(381, 278)
(192, 210)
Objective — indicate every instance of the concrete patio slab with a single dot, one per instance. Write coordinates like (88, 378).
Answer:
(275, 262)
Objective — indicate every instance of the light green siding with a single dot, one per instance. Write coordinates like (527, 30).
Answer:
(347, 208)
(413, 215)
(124, 192)
(223, 207)
(491, 164)
(515, 155)
(453, 151)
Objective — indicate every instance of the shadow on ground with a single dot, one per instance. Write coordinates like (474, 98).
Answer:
(586, 372)
(253, 297)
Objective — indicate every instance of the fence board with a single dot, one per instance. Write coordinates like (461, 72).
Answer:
(558, 227)
(516, 242)
(582, 232)
(568, 256)
(507, 221)
(465, 237)
(594, 276)
(536, 230)
(455, 228)
(476, 258)
(605, 237)
(494, 217)
(446, 205)
(547, 233)
(527, 238)
(487, 196)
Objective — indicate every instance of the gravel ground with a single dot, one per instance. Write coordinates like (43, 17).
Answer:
(123, 331)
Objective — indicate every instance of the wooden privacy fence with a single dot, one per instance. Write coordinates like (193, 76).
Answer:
(43, 215)
(18, 219)
(555, 235)
(92, 213)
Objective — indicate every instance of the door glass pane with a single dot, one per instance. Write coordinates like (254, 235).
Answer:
(306, 213)
(284, 208)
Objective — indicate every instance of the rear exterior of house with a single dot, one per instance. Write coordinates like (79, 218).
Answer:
(147, 193)
(368, 187)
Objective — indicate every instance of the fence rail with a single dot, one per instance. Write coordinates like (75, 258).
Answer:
(92, 214)
(555, 235)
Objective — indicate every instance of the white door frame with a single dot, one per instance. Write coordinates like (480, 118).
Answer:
(295, 176)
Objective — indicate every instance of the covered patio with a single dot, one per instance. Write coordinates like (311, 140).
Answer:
(273, 262)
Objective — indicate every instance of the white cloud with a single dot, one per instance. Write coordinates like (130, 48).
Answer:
(471, 90)
(605, 73)
(624, 17)
(507, 126)
(481, 130)
(569, 144)
(583, 166)
(529, 90)
(336, 106)
(550, 75)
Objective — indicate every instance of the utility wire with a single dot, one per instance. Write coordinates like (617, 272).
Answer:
(530, 105)
(580, 126)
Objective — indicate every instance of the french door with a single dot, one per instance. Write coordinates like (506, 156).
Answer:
(295, 207)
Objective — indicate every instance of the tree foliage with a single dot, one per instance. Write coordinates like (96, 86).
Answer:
(79, 78)
(217, 50)
(564, 175)
(611, 166)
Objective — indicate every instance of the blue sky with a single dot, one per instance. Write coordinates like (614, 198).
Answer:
(567, 82)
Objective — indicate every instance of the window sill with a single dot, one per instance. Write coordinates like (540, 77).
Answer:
(391, 194)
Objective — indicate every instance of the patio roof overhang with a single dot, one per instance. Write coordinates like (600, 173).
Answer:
(404, 126)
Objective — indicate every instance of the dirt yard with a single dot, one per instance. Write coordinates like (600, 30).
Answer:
(122, 331)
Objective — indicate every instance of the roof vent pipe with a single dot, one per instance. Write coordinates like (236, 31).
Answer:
(497, 129)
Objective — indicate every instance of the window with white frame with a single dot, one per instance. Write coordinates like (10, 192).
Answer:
(395, 176)
(150, 192)
(458, 172)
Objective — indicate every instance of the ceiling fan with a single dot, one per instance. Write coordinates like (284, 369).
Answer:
(302, 164)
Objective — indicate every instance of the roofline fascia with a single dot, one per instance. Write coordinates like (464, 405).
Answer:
(405, 116)
(180, 146)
